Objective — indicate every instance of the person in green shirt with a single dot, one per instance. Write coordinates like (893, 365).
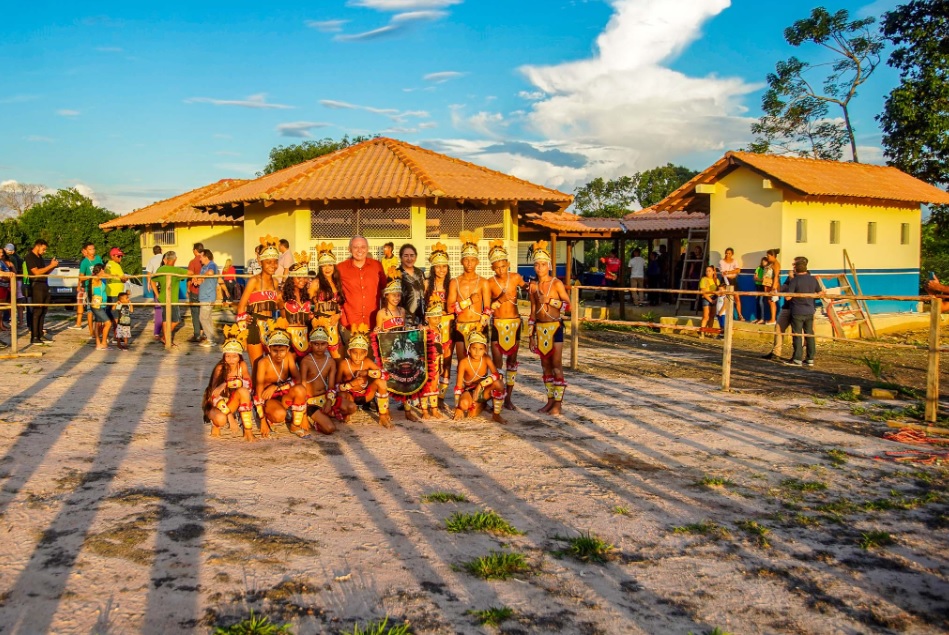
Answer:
(161, 282)
(760, 273)
(116, 282)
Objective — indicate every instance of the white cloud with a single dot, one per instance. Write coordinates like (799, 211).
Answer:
(392, 113)
(89, 193)
(427, 125)
(327, 26)
(398, 24)
(299, 128)
(531, 95)
(402, 5)
(442, 76)
(64, 112)
(253, 101)
(18, 99)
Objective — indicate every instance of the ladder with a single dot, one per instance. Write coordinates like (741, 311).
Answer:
(696, 238)
(843, 310)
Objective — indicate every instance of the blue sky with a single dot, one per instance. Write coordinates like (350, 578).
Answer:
(134, 104)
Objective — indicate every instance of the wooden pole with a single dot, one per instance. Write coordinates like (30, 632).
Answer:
(553, 253)
(727, 346)
(574, 327)
(620, 277)
(932, 372)
(166, 319)
(14, 327)
(569, 277)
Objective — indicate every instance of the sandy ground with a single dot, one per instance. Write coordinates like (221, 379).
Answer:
(120, 515)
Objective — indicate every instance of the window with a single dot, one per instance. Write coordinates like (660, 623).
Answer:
(392, 222)
(163, 236)
(871, 233)
(835, 232)
(451, 221)
(802, 230)
(904, 233)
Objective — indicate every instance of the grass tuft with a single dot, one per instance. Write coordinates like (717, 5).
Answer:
(488, 521)
(587, 548)
(714, 481)
(702, 528)
(875, 364)
(872, 539)
(757, 531)
(837, 457)
(798, 485)
(847, 395)
(497, 565)
(444, 497)
(492, 616)
(254, 625)
(620, 510)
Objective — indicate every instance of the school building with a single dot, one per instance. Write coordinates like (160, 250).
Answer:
(816, 209)
(384, 189)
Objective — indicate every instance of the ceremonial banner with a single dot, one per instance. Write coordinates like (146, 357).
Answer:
(404, 355)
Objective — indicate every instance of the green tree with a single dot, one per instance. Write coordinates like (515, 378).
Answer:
(792, 93)
(11, 232)
(284, 156)
(67, 219)
(610, 198)
(655, 184)
(797, 126)
(915, 118)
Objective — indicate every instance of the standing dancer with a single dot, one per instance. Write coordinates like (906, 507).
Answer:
(258, 304)
(434, 314)
(326, 295)
(506, 329)
(548, 304)
(468, 297)
(296, 303)
(436, 290)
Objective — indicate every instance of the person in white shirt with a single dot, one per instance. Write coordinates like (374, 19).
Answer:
(637, 275)
(285, 261)
(730, 268)
(154, 263)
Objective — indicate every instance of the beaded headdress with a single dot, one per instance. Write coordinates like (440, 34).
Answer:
(320, 332)
(325, 254)
(279, 336)
(439, 255)
(394, 285)
(496, 251)
(540, 251)
(232, 343)
(301, 265)
(469, 244)
(359, 337)
(269, 251)
(477, 337)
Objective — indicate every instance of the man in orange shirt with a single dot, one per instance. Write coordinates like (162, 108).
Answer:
(363, 280)
(611, 266)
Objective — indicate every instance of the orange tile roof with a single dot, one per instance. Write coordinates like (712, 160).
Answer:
(810, 177)
(178, 209)
(384, 168)
(650, 221)
(573, 224)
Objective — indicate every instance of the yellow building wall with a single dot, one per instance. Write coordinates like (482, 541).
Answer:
(224, 241)
(280, 220)
(822, 255)
(744, 216)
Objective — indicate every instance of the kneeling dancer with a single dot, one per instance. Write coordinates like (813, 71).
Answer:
(549, 302)
(277, 386)
(478, 381)
(360, 380)
(228, 390)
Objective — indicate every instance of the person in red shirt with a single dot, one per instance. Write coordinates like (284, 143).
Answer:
(363, 280)
(611, 266)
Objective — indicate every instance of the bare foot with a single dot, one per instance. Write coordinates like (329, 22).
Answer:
(215, 432)
(438, 414)
(264, 429)
(424, 413)
(546, 408)
(508, 405)
(498, 418)
(459, 414)
(385, 420)
(555, 409)
(249, 436)
(410, 413)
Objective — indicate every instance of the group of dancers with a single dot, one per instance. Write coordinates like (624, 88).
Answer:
(308, 371)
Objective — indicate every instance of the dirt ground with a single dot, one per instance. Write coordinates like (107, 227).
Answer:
(762, 510)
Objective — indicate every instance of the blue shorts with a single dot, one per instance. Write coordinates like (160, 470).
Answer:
(99, 315)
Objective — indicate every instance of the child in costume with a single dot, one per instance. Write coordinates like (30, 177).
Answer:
(434, 314)
(436, 289)
(318, 372)
(391, 317)
(360, 380)
(549, 302)
(98, 302)
(468, 296)
(296, 303)
(123, 313)
(506, 322)
(257, 307)
(326, 295)
(277, 386)
(228, 389)
(478, 380)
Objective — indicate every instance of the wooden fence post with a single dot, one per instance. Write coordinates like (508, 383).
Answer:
(166, 319)
(14, 326)
(932, 372)
(727, 345)
(574, 326)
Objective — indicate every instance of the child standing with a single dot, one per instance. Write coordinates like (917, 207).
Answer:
(98, 302)
(123, 313)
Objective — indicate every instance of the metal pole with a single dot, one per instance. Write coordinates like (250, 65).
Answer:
(727, 347)
(574, 327)
(932, 372)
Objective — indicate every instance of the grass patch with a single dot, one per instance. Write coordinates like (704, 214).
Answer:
(847, 395)
(897, 502)
(714, 481)
(492, 616)
(587, 548)
(806, 521)
(254, 625)
(619, 510)
(875, 364)
(757, 531)
(488, 521)
(818, 401)
(702, 528)
(837, 458)
(497, 565)
(444, 497)
(872, 539)
(798, 485)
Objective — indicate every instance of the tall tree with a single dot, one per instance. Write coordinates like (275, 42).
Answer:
(284, 156)
(16, 198)
(655, 184)
(600, 197)
(915, 118)
(792, 94)
(67, 219)
(797, 126)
